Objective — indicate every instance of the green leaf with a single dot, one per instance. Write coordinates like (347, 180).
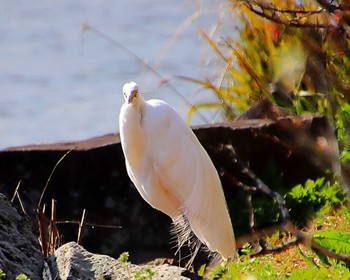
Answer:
(201, 270)
(2, 274)
(22, 277)
(307, 258)
(336, 241)
(124, 257)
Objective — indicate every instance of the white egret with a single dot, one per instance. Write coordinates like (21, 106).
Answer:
(173, 172)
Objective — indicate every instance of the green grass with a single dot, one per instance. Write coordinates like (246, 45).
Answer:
(330, 229)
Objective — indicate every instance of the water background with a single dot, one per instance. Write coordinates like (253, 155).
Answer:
(58, 83)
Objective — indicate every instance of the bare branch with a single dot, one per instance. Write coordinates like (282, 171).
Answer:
(53, 242)
(275, 18)
(89, 224)
(52, 172)
(16, 191)
(81, 227)
(260, 186)
(42, 230)
(328, 253)
(277, 249)
(293, 11)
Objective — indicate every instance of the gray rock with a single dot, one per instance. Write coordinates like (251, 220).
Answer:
(19, 247)
(71, 261)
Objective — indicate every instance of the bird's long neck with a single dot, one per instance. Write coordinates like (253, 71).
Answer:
(133, 139)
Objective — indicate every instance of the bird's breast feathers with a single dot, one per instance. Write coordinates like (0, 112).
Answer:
(164, 140)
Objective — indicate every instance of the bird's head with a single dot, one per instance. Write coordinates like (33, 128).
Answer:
(130, 92)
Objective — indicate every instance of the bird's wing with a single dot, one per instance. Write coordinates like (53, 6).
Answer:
(185, 172)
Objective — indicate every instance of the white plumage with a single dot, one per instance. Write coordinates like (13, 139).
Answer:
(173, 172)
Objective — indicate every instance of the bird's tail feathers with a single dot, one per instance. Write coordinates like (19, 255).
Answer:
(183, 236)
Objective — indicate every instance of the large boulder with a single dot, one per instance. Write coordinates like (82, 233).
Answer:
(19, 247)
(73, 262)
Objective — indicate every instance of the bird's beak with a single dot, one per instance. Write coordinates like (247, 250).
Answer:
(131, 96)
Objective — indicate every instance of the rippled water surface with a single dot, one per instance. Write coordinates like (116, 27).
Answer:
(58, 83)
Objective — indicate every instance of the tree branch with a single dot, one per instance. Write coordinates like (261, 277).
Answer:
(260, 186)
(275, 18)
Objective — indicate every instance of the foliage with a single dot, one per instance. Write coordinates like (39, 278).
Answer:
(308, 259)
(302, 200)
(124, 257)
(338, 242)
(246, 268)
(299, 47)
(146, 273)
(21, 277)
(246, 249)
(201, 270)
(342, 123)
(305, 200)
(320, 273)
(124, 261)
(18, 277)
(299, 261)
(219, 272)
